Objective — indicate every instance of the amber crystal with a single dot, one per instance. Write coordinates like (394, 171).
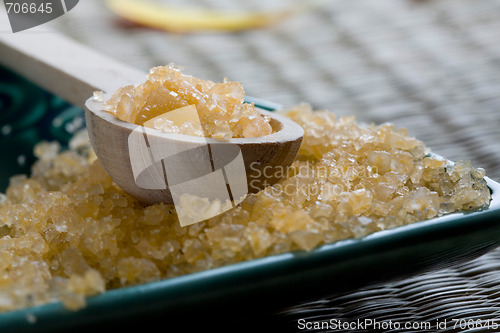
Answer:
(220, 107)
(69, 231)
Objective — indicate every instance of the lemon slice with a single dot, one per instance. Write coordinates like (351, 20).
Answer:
(187, 19)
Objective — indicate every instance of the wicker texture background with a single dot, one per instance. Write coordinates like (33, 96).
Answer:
(430, 66)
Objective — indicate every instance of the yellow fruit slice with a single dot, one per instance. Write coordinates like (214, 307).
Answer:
(178, 117)
(186, 19)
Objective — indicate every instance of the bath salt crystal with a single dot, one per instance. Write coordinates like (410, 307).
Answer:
(212, 109)
(68, 231)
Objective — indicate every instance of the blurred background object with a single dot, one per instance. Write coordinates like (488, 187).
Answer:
(196, 19)
(430, 66)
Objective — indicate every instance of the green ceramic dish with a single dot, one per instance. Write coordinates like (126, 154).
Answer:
(244, 289)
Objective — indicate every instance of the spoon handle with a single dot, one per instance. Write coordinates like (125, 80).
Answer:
(62, 66)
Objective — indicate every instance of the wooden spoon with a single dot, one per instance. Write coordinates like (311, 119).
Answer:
(73, 72)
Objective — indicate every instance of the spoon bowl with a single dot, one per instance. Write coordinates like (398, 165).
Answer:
(265, 158)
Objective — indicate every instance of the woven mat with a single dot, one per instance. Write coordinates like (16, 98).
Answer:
(430, 66)
(468, 292)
